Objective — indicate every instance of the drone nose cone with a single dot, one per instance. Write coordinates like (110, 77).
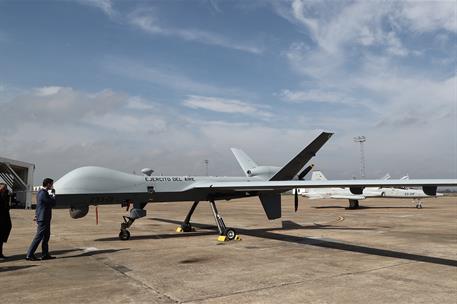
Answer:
(79, 180)
(98, 180)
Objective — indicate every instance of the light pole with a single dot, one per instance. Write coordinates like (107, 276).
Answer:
(361, 140)
(206, 166)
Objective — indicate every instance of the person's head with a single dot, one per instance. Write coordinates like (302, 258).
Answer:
(48, 183)
(3, 187)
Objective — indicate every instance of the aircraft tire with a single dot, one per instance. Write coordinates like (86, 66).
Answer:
(124, 235)
(186, 227)
(230, 234)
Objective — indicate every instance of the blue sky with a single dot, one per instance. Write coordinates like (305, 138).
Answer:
(167, 84)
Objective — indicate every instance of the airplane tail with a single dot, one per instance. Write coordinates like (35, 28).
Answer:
(291, 169)
(246, 163)
(386, 177)
(318, 176)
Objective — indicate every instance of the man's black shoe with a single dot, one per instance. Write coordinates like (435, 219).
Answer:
(48, 257)
(32, 258)
(2, 256)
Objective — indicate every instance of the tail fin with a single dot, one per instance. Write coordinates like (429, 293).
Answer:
(298, 162)
(244, 160)
(318, 176)
(386, 177)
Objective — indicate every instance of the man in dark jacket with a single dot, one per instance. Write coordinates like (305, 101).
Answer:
(5, 219)
(43, 215)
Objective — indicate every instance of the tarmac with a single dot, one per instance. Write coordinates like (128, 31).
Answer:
(386, 252)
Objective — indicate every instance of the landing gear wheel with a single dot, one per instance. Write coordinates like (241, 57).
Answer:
(419, 206)
(124, 235)
(186, 227)
(230, 234)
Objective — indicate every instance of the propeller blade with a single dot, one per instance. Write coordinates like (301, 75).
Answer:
(304, 172)
(296, 200)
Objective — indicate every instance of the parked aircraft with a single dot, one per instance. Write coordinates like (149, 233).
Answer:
(96, 186)
(344, 193)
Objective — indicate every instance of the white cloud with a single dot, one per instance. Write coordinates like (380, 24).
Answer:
(394, 46)
(428, 16)
(146, 20)
(72, 128)
(298, 8)
(125, 123)
(336, 26)
(215, 6)
(158, 75)
(164, 76)
(311, 96)
(48, 91)
(362, 54)
(138, 103)
(223, 105)
(103, 128)
(106, 6)
(53, 105)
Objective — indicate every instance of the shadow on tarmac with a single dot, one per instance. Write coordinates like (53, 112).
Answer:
(56, 253)
(91, 253)
(14, 268)
(267, 233)
(366, 207)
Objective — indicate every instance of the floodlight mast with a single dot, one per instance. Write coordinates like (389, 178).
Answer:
(206, 166)
(361, 140)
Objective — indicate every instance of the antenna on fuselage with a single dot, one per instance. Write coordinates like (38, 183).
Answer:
(147, 171)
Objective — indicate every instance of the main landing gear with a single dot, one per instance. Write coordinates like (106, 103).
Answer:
(135, 213)
(225, 233)
(186, 226)
(353, 204)
(418, 203)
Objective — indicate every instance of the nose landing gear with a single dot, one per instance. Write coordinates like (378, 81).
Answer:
(135, 213)
(124, 234)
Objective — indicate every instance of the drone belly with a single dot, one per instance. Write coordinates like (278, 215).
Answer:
(173, 188)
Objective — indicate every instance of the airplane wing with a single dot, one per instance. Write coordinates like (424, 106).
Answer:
(270, 197)
(356, 186)
(350, 197)
(298, 162)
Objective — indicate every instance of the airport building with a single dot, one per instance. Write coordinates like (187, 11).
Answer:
(18, 175)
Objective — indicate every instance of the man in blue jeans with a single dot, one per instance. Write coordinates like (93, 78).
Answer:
(43, 215)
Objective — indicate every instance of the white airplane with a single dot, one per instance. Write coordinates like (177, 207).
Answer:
(345, 193)
(86, 186)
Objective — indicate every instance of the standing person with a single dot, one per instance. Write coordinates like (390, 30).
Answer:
(43, 215)
(5, 219)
